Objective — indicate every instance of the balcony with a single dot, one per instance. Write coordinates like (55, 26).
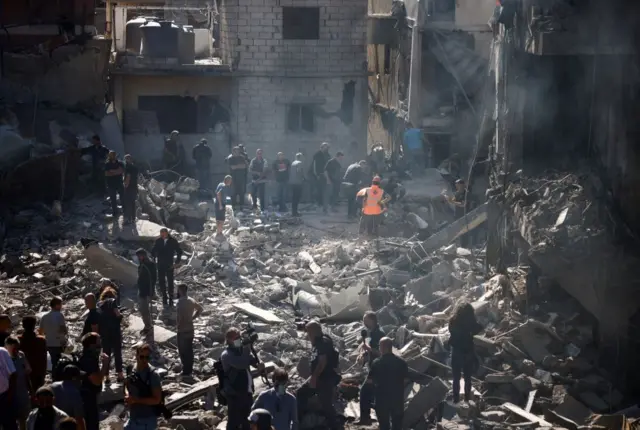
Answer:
(203, 55)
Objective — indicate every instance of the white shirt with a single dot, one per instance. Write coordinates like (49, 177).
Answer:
(7, 369)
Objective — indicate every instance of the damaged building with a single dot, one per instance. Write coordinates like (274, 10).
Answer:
(275, 76)
(564, 160)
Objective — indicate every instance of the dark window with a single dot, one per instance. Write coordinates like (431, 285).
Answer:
(173, 112)
(387, 59)
(302, 23)
(300, 118)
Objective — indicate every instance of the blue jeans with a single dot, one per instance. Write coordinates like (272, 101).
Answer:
(149, 423)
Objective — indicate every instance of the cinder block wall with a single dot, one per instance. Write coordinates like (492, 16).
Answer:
(270, 73)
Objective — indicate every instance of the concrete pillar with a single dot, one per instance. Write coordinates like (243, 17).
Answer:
(415, 71)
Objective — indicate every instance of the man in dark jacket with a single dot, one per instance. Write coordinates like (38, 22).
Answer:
(130, 190)
(146, 285)
(98, 153)
(354, 178)
(316, 171)
(201, 155)
(164, 249)
(388, 374)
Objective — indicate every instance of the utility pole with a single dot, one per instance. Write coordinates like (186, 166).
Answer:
(415, 71)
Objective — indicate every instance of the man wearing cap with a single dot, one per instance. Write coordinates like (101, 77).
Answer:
(67, 394)
(164, 250)
(372, 207)
(130, 190)
(46, 416)
(146, 285)
(201, 155)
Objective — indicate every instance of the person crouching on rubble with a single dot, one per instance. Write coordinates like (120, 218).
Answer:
(463, 326)
(223, 193)
(281, 404)
(372, 207)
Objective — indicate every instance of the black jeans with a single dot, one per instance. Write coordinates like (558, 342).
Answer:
(113, 346)
(390, 417)
(325, 392)
(54, 352)
(296, 194)
(129, 204)
(369, 224)
(7, 414)
(239, 185)
(204, 177)
(366, 400)
(350, 192)
(320, 185)
(185, 350)
(258, 192)
(165, 276)
(335, 192)
(239, 408)
(98, 181)
(91, 412)
(114, 189)
(462, 364)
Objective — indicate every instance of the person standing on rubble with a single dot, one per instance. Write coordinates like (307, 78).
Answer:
(463, 326)
(143, 393)
(111, 330)
(173, 154)
(388, 375)
(324, 375)
(373, 198)
(113, 172)
(95, 365)
(5, 328)
(353, 179)
(21, 398)
(98, 153)
(316, 170)
(146, 286)
(258, 170)
(67, 394)
(296, 179)
(35, 349)
(130, 190)
(8, 383)
(282, 169)
(92, 320)
(201, 155)
(45, 416)
(370, 352)
(333, 176)
(238, 165)
(54, 328)
(281, 404)
(187, 310)
(223, 191)
(238, 382)
(164, 250)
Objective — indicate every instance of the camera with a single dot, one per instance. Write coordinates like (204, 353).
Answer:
(249, 335)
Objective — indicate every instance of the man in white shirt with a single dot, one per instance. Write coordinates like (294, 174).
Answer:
(7, 390)
(54, 329)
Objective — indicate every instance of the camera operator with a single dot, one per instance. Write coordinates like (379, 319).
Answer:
(324, 374)
(369, 353)
(89, 363)
(238, 384)
(143, 393)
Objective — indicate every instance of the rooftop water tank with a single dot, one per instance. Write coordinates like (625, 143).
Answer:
(133, 35)
(187, 45)
(160, 39)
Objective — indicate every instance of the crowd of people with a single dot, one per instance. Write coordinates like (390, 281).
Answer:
(65, 395)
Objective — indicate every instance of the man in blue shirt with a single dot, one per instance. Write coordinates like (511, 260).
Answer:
(223, 192)
(414, 150)
(279, 402)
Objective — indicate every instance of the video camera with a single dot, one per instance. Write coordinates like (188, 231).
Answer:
(249, 335)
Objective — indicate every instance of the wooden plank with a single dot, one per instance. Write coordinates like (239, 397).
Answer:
(257, 313)
(526, 415)
(178, 400)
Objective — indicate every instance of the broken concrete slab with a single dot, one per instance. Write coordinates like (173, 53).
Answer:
(526, 415)
(141, 231)
(256, 312)
(570, 413)
(426, 399)
(160, 334)
(110, 265)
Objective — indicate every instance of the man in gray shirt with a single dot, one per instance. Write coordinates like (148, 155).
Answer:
(54, 329)
(296, 179)
(187, 310)
(143, 393)
(67, 394)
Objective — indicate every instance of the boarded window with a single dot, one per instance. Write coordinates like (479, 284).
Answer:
(301, 23)
(300, 117)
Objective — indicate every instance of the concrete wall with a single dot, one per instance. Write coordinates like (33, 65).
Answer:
(473, 15)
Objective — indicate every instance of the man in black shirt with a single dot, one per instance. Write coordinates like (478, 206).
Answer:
(92, 321)
(95, 365)
(113, 171)
(281, 168)
(98, 153)
(130, 189)
(324, 373)
(388, 375)
(353, 179)
(146, 285)
(371, 352)
(332, 173)
(201, 154)
(238, 166)
(164, 250)
(316, 170)
(258, 171)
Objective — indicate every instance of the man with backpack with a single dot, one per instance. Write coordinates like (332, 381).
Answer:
(143, 393)
(324, 373)
(95, 365)
(111, 330)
